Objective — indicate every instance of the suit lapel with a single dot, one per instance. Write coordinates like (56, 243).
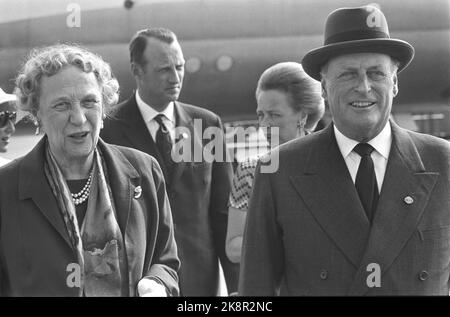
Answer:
(140, 138)
(33, 184)
(137, 132)
(327, 189)
(183, 122)
(123, 178)
(396, 218)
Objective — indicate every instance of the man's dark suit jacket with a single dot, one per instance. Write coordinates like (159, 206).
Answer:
(306, 225)
(198, 194)
(35, 248)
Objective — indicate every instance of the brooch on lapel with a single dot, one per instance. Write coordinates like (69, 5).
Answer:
(137, 192)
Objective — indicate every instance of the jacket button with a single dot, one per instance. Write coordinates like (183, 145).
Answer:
(423, 275)
(408, 200)
(324, 274)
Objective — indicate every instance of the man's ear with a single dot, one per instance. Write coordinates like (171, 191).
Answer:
(395, 87)
(136, 70)
(324, 90)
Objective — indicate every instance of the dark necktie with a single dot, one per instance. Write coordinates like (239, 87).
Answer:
(366, 181)
(164, 144)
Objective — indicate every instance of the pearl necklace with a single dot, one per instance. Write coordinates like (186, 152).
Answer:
(83, 194)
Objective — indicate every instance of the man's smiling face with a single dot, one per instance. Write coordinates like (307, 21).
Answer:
(359, 89)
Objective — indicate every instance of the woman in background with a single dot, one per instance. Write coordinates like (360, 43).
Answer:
(290, 101)
(8, 115)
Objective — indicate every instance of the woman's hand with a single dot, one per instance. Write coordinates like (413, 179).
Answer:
(235, 232)
(148, 287)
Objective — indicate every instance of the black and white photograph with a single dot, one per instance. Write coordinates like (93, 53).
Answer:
(225, 152)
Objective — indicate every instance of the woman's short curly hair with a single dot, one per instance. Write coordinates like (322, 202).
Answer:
(49, 60)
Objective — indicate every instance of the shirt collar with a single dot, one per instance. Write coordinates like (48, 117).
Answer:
(381, 143)
(148, 113)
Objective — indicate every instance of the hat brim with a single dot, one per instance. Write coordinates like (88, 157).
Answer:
(400, 50)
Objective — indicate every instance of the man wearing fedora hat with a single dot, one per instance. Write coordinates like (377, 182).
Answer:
(363, 206)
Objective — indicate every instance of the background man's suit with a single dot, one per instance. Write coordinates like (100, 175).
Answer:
(309, 214)
(198, 194)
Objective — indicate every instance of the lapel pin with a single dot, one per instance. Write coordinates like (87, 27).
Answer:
(137, 192)
(182, 136)
(408, 200)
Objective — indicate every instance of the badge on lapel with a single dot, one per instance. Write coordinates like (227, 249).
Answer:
(408, 200)
(137, 192)
(182, 136)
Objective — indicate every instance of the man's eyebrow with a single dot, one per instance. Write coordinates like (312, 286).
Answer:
(378, 66)
(59, 98)
(268, 111)
(348, 67)
(356, 68)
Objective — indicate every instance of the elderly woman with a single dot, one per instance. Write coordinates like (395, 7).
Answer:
(289, 100)
(8, 117)
(79, 216)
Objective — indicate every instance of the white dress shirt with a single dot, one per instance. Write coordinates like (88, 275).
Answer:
(382, 145)
(149, 114)
(4, 161)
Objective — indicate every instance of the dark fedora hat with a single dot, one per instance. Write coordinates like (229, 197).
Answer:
(356, 30)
